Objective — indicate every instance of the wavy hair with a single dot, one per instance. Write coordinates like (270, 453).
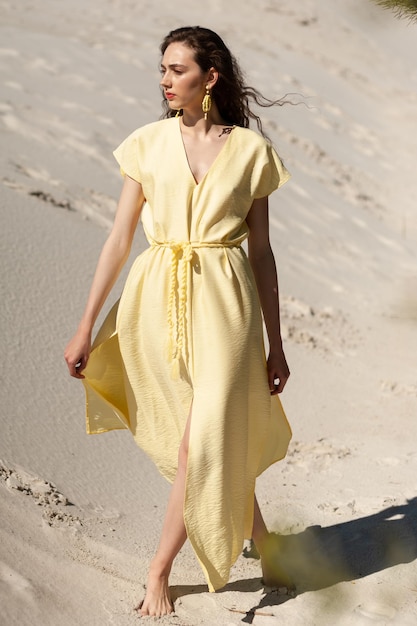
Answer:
(231, 94)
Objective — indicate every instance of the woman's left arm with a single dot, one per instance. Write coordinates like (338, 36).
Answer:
(263, 265)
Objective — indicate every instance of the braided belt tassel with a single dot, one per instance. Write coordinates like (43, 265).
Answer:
(177, 333)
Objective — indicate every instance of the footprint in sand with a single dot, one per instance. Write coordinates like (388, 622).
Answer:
(43, 65)
(346, 180)
(326, 329)
(398, 389)
(316, 455)
(44, 493)
(39, 174)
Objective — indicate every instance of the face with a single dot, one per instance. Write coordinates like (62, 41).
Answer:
(182, 80)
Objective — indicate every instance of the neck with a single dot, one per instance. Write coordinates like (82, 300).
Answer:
(194, 119)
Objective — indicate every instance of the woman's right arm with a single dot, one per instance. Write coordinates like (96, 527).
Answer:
(112, 258)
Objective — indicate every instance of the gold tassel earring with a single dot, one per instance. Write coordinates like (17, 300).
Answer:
(206, 104)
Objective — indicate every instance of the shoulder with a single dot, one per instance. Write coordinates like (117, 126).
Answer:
(249, 134)
(254, 149)
(261, 162)
(144, 146)
(251, 139)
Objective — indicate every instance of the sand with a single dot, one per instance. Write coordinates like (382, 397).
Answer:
(80, 516)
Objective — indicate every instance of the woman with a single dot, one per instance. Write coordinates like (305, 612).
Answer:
(180, 361)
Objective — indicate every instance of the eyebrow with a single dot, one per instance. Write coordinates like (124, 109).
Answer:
(173, 66)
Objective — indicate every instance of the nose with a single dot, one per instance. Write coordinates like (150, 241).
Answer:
(164, 82)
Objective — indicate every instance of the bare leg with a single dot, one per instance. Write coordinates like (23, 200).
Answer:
(157, 600)
(259, 531)
(268, 547)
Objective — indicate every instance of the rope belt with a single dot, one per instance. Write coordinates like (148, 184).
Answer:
(181, 251)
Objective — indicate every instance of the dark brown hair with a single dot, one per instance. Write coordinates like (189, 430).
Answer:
(231, 94)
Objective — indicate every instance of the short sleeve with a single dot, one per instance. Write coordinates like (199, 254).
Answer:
(127, 156)
(269, 172)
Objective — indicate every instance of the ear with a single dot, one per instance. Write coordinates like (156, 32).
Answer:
(212, 77)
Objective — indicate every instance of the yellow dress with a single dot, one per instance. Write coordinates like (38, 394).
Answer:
(187, 333)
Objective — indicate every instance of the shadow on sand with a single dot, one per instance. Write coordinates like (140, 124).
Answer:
(321, 557)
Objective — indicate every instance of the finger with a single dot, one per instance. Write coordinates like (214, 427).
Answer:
(283, 381)
(281, 385)
(76, 368)
(80, 366)
(275, 389)
(75, 373)
(273, 382)
(278, 385)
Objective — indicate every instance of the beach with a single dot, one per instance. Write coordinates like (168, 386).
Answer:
(80, 516)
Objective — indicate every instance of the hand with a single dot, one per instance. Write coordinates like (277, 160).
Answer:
(278, 369)
(77, 353)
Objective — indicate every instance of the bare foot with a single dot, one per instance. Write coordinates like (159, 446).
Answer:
(157, 601)
(274, 577)
(274, 572)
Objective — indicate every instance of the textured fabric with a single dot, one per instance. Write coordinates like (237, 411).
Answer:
(188, 334)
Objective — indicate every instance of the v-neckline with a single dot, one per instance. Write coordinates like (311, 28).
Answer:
(193, 178)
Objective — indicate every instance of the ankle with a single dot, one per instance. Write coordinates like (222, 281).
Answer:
(262, 542)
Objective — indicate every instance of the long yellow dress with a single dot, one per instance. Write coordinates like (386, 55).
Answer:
(187, 334)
